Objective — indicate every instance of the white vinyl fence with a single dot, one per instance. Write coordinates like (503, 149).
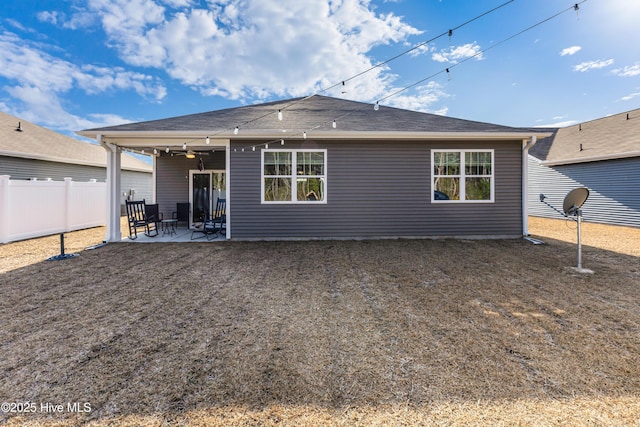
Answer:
(39, 208)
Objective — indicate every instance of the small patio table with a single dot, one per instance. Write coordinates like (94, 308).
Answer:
(169, 226)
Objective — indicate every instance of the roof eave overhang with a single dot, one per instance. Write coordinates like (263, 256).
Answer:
(160, 138)
(590, 159)
(33, 156)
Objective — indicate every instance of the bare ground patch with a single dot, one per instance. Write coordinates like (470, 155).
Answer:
(325, 333)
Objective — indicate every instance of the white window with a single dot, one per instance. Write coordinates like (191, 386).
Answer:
(294, 176)
(462, 176)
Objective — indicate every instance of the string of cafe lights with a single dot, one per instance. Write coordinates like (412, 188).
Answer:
(279, 112)
(575, 7)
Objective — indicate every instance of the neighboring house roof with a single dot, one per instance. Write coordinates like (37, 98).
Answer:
(313, 115)
(36, 142)
(611, 137)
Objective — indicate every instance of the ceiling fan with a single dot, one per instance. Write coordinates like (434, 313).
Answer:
(190, 154)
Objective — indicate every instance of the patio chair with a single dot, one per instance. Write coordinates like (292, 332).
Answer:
(182, 212)
(212, 224)
(137, 217)
(152, 212)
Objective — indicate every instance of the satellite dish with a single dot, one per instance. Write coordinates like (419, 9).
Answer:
(574, 200)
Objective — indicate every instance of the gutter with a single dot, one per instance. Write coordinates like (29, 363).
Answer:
(526, 145)
(151, 138)
(615, 156)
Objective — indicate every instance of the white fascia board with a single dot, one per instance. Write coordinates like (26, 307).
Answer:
(164, 134)
(592, 159)
(151, 139)
(386, 136)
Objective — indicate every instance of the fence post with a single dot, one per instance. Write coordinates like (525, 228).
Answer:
(4, 208)
(68, 182)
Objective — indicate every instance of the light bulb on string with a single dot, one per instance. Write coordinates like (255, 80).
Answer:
(450, 35)
(266, 146)
(155, 151)
(282, 142)
(448, 75)
(184, 146)
(207, 140)
(253, 148)
(376, 107)
(304, 135)
(166, 150)
(334, 124)
(280, 115)
(577, 9)
(236, 130)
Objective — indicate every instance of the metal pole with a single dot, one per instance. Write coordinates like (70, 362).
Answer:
(62, 244)
(579, 215)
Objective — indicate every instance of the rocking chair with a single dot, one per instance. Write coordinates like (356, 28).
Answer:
(138, 217)
(212, 224)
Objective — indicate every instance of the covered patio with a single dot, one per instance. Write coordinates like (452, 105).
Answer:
(181, 234)
(189, 167)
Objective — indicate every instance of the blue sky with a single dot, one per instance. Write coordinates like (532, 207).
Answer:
(75, 64)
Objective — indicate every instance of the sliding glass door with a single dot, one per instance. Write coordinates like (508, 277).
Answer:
(205, 188)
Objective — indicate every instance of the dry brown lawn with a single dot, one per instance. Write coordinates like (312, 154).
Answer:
(387, 332)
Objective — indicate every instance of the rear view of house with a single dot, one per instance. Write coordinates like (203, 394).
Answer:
(321, 167)
(602, 155)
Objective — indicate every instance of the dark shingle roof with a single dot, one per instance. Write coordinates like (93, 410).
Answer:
(316, 112)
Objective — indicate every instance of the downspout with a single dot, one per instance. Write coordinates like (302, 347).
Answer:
(526, 145)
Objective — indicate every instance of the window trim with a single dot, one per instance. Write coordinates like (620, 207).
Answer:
(294, 161)
(463, 174)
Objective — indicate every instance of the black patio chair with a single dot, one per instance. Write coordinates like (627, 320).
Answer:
(212, 224)
(137, 217)
(182, 212)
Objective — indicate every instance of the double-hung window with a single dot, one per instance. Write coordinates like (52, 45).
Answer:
(294, 176)
(462, 176)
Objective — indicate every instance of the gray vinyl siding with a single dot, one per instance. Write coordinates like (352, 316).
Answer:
(20, 168)
(377, 190)
(140, 182)
(172, 178)
(613, 189)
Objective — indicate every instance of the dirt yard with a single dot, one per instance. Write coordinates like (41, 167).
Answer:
(388, 332)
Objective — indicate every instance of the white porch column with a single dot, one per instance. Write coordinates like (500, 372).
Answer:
(113, 190)
(525, 183)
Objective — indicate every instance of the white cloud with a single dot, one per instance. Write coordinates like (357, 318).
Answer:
(426, 95)
(49, 17)
(254, 49)
(45, 108)
(39, 80)
(558, 124)
(630, 96)
(628, 71)
(177, 3)
(570, 50)
(456, 53)
(592, 65)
